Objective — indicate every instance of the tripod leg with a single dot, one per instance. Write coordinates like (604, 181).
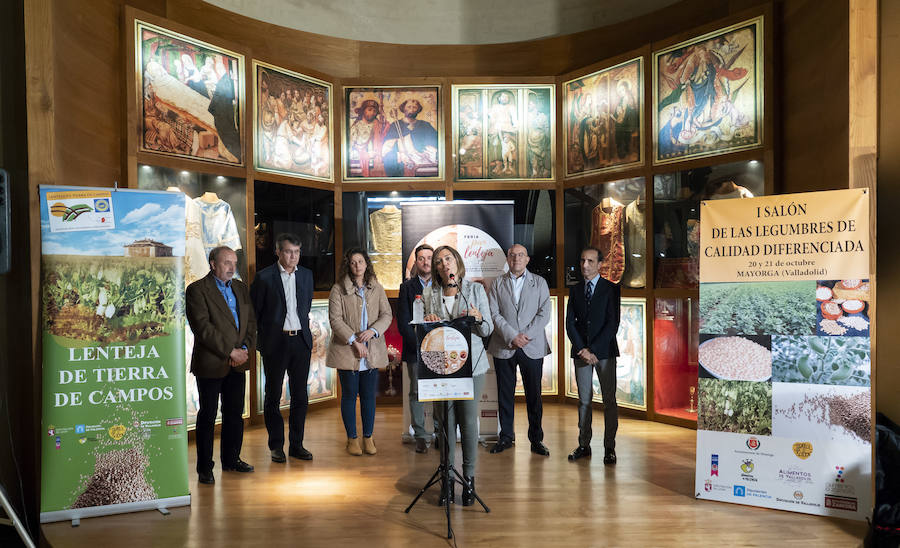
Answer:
(436, 477)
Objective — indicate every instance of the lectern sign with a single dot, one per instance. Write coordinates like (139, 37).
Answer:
(445, 360)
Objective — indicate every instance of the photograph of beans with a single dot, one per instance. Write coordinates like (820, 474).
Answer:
(838, 413)
(746, 358)
(842, 308)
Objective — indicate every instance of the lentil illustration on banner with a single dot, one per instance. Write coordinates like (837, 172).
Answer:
(113, 435)
(785, 413)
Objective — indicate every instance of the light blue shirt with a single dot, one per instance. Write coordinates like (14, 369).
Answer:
(363, 323)
(230, 299)
(424, 283)
(593, 283)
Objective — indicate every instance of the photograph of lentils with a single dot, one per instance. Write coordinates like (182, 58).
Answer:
(842, 308)
(839, 413)
(118, 478)
(745, 358)
(735, 406)
(758, 308)
(821, 360)
(435, 361)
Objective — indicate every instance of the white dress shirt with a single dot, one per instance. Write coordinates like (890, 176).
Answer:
(289, 281)
(518, 284)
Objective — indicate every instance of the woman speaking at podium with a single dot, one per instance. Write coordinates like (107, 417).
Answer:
(451, 296)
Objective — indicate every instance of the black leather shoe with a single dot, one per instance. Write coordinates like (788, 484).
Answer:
(238, 466)
(442, 501)
(301, 454)
(579, 452)
(609, 457)
(421, 445)
(502, 445)
(540, 449)
(207, 477)
(278, 455)
(468, 494)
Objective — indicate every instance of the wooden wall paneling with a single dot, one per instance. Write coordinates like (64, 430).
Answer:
(863, 146)
(772, 105)
(814, 95)
(889, 196)
(86, 64)
(38, 167)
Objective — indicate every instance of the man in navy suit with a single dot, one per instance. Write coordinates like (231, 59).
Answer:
(282, 296)
(592, 320)
(419, 279)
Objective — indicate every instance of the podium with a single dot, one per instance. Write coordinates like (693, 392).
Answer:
(445, 374)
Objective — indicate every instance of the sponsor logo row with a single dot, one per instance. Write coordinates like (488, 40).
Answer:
(116, 431)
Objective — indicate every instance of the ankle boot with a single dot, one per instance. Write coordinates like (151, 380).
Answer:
(443, 500)
(468, 494)
(353, 447)
(369, 446)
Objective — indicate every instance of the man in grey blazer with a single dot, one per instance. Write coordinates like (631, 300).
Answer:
(520, 309)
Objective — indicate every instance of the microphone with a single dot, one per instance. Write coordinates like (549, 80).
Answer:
(454, 284)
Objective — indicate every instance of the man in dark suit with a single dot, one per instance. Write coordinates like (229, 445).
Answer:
(221, 316)
(282, 296)
(420, 279)
(592, 320)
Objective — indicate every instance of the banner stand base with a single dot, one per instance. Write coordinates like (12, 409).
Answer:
(76, 514)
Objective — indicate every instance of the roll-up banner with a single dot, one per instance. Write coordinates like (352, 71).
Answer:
(481, 231)
(113, 430)
(785, 412)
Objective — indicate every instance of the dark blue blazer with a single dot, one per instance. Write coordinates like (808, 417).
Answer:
(267, 293)
(594, 325)
(408, 291)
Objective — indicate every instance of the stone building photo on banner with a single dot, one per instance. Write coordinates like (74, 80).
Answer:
(504, 132)
(604, 119)
(707, 94)
(292, 124)
(190, 96)
(393, 133)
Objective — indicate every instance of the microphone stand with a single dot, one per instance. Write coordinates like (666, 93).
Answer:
(445, 474)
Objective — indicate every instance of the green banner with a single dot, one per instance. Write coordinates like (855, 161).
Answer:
(114, 435)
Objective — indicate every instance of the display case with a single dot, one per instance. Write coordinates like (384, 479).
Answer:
(216, 211)
(390, 379)
(380, 234)
(676, 215)
(675, 336)
(631, 365)
(549, 370)
(320, 385)
(306, 212)
(611, 217)
(534, 225)
(216, 214)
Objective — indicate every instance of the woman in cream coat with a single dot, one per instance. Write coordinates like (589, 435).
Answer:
(450, 296)
(359, 313)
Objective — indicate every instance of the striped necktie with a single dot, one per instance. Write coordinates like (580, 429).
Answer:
(589, 291)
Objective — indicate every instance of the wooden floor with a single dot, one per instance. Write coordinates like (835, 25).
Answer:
(338, 500)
